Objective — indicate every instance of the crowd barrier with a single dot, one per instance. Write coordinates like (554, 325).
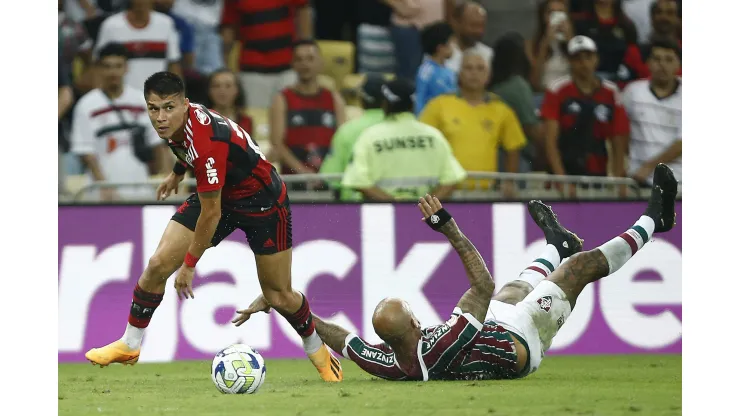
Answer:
(346, 258)
(480, 186)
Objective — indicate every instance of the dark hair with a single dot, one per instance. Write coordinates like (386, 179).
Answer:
(305, 42)
(511, 59)
(241, 97)
(164, 84)
(542, 22)
(435, 35)
(654, 6)
(404, 89)
(665, 44)
(113, 49)
(624, 22)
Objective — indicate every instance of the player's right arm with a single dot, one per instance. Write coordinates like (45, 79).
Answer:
(377, 360)
(476, 299)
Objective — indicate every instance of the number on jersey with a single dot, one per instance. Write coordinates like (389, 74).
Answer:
(239, 132)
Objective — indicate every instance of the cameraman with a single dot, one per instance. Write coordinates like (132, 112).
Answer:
(112, 133)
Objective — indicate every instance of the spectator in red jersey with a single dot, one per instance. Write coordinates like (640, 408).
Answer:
(665, 16)
(227, 97)
(582, 113)
(267, 30)
(554, 30)
(304, 116)
(611, 29)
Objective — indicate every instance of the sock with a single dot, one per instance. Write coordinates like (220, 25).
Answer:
(620, 249)
(541, 267)
(302, 322)
(143, 306)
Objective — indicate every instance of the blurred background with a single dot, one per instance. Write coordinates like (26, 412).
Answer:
(528, 110)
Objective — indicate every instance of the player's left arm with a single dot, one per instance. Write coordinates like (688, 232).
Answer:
(476, 299)
(304, 19)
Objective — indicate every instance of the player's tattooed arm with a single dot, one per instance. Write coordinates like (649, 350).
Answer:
(332, 335)
(476, 299)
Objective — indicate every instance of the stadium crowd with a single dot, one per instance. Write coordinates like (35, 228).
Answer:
(569, 87)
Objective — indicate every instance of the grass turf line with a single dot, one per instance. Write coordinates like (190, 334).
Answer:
(564, 385)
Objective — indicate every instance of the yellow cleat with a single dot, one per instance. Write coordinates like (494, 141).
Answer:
(327, 365)
(115, 352)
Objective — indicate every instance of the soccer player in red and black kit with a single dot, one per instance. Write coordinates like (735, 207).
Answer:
(506, 337)
(236, 188)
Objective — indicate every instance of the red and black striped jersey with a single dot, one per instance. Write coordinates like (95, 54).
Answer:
(311, 121)
(224, 156)
(460, 349)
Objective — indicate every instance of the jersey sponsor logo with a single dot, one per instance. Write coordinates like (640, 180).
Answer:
(545, 303)
(377, 356)
(211, 172)
(441, 330)
(202, 117)
(602, 113)
(408, 142)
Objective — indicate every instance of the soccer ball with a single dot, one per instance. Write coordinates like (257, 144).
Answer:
(238, 369)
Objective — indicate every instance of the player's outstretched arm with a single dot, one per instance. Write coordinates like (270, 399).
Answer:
(475, 301)
(332, 335)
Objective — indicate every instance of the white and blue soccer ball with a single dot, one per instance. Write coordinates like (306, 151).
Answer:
(238, 369)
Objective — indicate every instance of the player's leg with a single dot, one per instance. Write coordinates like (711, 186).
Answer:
(551, 302)
(561, 244)
(271, 241)
(149, 290)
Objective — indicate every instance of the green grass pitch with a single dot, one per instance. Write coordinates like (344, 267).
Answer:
(572, 385)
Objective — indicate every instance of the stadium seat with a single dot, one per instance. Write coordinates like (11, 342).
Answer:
(339, 58)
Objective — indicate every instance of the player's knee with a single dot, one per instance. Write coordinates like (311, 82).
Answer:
(159, 267)
(280, 300)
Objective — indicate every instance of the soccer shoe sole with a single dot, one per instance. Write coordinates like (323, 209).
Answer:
(102, 363)
(664, 178)
(546, 219)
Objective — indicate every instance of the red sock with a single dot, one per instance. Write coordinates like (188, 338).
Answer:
(302, 320)
(143, 306)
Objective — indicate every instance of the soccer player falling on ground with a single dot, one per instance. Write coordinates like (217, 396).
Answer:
(236, 188)
(505, 338)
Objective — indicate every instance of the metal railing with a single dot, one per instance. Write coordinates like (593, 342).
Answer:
(478, 186)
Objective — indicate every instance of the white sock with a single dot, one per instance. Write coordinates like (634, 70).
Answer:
(541, 267)
(620, 249)
(133, 336)
(312, 343)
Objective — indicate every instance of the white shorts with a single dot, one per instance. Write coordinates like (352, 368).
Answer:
(536, 319)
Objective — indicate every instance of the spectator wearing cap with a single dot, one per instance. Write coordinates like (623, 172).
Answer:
(401, 158)
(477, 123)
(654, 109)
(666, 26)
(582, 113)
(433, 77)
(605, 23)
(344, 139)
(469, 25)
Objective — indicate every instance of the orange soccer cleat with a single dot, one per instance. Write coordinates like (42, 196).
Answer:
(327, 365)
(115, 352)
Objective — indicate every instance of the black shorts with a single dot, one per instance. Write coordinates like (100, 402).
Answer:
(267, 232)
